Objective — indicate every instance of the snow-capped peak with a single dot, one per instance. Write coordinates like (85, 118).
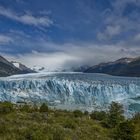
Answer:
(16, 64)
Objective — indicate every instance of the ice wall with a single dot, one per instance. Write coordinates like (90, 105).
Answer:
(70, 94)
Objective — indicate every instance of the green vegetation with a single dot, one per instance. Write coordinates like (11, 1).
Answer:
(6, 107)
(44, 108)
(125, 131)
(78, 113)
(96, 115)
(115, 115)
(30, 122)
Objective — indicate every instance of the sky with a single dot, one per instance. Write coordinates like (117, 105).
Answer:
(66, 33)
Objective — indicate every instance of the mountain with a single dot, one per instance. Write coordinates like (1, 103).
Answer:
(121, 67)
(76, 69)
(80, 68)
(7, 68)
(133, 68)
(22, 67)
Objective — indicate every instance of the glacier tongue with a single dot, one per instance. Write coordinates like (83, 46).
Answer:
(72, 90)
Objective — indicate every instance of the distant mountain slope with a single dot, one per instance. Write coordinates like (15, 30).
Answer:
(121, 67)
(133, 68)
(77, 69)
(7, 68)
(80, 68)
(22, 67)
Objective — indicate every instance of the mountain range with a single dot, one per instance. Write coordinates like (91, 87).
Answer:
(122, 67)
(8, 68)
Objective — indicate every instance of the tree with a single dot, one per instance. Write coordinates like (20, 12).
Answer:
(44, 108)
(125, 131)
(115, 114)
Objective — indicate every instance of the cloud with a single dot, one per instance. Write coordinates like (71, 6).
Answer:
(72, 57)
(137, 38)
(5, 39)
(50, 61)
(110, 25)
(109, 32)
(121, 4)
(113, 30)
(41, 52)
(121, 22)
(26, 18)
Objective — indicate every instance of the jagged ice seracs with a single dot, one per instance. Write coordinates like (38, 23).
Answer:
(72, 90)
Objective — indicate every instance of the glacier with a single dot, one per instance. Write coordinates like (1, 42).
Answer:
(72, 90)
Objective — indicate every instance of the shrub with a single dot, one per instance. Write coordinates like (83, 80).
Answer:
(70, 124)
(25, 108)
(6, 107)
(44, 108)
(136, 117)
(3, 127)
(59, 134)
(86, 113)
(78, 113)
(136, 121)
(98, 115)
(125, 131)
(35, 108)
(38, 135)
